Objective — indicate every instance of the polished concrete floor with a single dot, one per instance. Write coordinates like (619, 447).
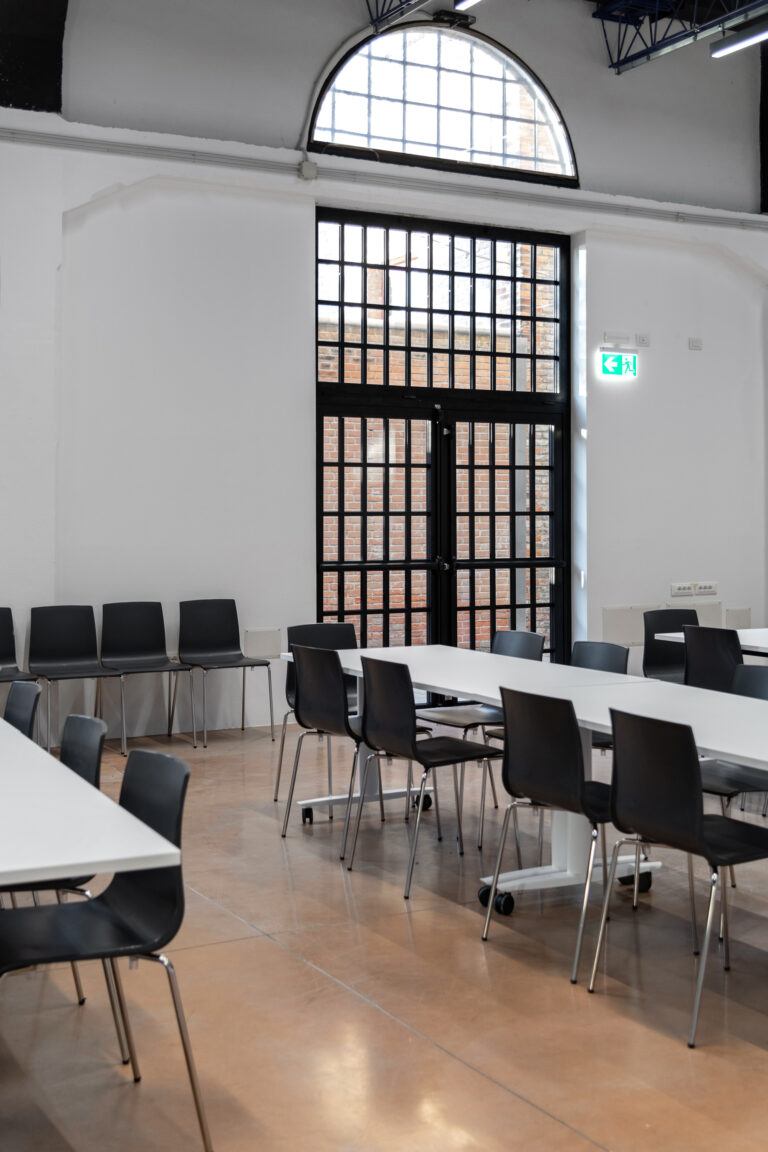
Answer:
(326, 1013)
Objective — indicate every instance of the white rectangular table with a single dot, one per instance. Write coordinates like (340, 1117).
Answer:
(54, 825)
(754, 641)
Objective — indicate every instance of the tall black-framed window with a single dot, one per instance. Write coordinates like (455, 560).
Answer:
(443, 398)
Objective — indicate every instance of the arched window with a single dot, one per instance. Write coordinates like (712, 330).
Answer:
(444, 96)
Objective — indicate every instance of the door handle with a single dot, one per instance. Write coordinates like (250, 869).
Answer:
(442, 565)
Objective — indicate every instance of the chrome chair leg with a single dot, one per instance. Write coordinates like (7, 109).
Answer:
(123, 740)
(408, 789)
(172, 702)
(724, 924)
(48, 716)
(584, 903)
(187, 1046)
(110, 983)
(205, 714)
(360, 802)
(511, 807)
(694, 928)
(412, 857)
(330, 774)
(460, 836)
(293, 782)
(126, 1022)
(192, 706)
(436, 801)
(636, 886)
(280, 756)
(604, 913)
(604, 854)
(271, 706)
(75, 970)
(381, 791)
(349, 803)
(486, 766)
(540, 856)
(242, 707)
(517, 838)
(703, 959)
(724, 810)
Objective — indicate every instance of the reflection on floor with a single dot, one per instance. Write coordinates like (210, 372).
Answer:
(328, 1014)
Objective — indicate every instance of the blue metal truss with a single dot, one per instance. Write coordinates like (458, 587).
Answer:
(382, 13)
(640, 30)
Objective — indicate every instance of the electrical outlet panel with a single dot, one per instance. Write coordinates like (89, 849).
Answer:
(694, 588)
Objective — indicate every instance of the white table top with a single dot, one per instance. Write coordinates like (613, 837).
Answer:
(54, 825)
(754, 641)
(728, 727)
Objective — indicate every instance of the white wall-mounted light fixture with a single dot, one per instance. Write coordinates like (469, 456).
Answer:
(460, 5)
(752, 32)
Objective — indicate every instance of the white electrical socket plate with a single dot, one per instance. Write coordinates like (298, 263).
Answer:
(694, 588)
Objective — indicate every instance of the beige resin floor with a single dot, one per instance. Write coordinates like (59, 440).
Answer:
(328, 1014)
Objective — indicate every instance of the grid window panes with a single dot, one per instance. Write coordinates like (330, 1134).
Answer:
(419, 308)
(504, 477)
(445, 94)
(377, 527)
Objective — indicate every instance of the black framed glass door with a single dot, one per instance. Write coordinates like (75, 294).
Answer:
(443, 400)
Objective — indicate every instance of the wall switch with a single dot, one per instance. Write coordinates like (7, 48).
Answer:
(642, 340)
(695, 344)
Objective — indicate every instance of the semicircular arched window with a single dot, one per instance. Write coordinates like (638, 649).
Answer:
(427, 94)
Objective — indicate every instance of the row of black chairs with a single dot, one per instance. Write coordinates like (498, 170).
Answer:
(63, 646)
(137, 915)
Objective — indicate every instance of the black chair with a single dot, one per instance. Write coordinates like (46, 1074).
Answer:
(656, 797)
(543, 766)
(321, 706)
(62, 646)
(133, 641)
(137, 915)
(9, 668)
(389, 728)
(82, 744)
(600, 656)
(712, 655)
(665, 659)
(470, 715)
(209, 638)
(334, 636)
(21, 706)
(720, 777)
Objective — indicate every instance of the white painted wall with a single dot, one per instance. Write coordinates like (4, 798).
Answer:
(683, 128)
(156, 360)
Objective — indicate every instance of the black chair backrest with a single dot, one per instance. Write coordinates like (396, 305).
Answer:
(208, 626)
(389, 714)
(82, 743)
(321, 694)
(751, 680)
(712, 655)
(656, 786)
(331, 635)
(133, 628)
(600, 656)
(62, 632)
(152, 900)
(7, 638)
(542, 750)
(21, 705)
(665, 656)
(524, 645)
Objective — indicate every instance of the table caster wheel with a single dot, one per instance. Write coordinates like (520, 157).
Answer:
(484, 894)
(307, 816)
(504, 903)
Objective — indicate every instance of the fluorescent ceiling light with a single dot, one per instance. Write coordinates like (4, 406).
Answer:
(458, 5)
(750, 33)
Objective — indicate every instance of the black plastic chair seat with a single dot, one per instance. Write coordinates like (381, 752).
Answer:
(70, 669)
(127, 665)
(9, 673)
(730, 841)
(462, 716)
(720, 778)
(596, 801)
(671, 676)
(495, 734)
(439, 751)
(209, 659)
(56, 933)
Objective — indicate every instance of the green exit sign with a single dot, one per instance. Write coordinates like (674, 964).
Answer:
(618, 363)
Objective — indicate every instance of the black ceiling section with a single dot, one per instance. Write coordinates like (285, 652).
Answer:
(31, 37)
